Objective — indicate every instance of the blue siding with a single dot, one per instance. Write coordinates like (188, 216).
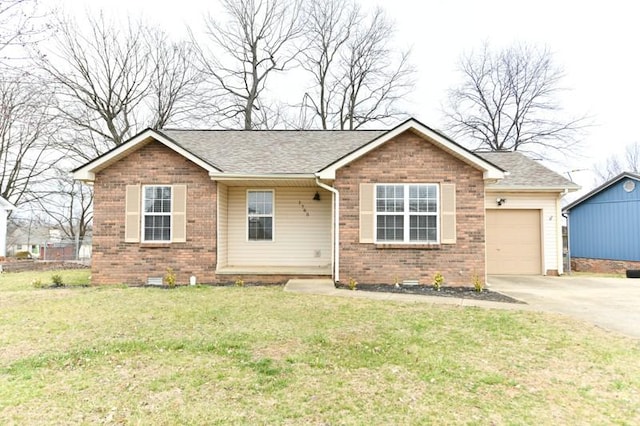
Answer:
(607, 225)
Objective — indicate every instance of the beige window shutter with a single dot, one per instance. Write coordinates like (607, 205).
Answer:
(132, 214)
(179, 214)
(367, 213)
(448, 213)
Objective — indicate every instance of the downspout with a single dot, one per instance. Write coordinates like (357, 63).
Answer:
(566, 216)
(336, 228)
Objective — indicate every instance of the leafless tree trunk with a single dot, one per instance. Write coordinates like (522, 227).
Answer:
(357, 77)
(614, 165)
(257, 40)
(508, 102)
(27, 129)
(102, 76)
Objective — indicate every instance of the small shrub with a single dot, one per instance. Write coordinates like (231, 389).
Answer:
(56, 279)
(36, 283)
(239, 282)
(438, 280)
(170, 278)
(478, 285)
(352, 284)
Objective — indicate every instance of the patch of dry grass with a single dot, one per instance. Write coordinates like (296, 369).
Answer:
(206, 355)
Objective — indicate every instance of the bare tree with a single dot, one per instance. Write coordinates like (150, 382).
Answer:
(257, 40)
(68, 204)
(357, 77)
(102, 76)
(629, 161)
(27, 129)
(507, 101)
(174, 82)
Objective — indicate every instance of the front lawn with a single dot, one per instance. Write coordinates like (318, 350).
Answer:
(258, 355)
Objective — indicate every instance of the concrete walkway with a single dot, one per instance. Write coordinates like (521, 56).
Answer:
(325, 287)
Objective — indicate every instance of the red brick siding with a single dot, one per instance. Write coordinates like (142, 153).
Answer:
(115, 261)
(602, 266)
(410, 159)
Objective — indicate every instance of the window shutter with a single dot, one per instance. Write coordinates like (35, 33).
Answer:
(132, 214)
(448, 213)
(367, 215)
(179, 214)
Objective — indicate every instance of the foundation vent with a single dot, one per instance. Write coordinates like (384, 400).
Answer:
(154, 281)
(410, 282)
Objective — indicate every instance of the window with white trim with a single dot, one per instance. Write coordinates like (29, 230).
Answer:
(406, 213)
(260, 215)
(156, 214)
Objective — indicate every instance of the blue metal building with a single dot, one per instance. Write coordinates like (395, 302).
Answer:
(605, 223)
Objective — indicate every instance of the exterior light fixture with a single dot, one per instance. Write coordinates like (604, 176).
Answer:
(501, 201)
(316, 197)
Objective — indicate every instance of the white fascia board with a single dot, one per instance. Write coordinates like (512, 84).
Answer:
(489, 171)
(494, 188)
(87, 172)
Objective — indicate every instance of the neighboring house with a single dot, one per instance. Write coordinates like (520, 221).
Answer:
(604, 227)
(378, 206)
(44, 242)
(5, 208)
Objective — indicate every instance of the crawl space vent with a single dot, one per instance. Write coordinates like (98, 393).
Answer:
(154, 280)
(410, 282)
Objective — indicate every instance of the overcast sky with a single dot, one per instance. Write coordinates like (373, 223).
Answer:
(595, 42)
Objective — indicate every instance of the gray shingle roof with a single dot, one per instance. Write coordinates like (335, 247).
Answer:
(309, 151)
(271, 151)
(525, 172)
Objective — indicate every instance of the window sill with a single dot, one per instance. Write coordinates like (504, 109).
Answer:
(155, 245)
(401, 246)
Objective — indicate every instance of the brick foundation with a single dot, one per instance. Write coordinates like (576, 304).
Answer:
(409, 159)
(604, 266)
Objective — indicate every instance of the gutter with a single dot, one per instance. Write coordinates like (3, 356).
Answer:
(336, 228)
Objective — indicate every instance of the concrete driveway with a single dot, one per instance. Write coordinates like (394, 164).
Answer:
(611, 303)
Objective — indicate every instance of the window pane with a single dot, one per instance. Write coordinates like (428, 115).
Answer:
(390, 228)
(260, 228)
(422, 228)
(390, 198)
(422, 198)
(157, 228)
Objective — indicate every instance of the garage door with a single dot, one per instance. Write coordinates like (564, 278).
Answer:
(513, 242)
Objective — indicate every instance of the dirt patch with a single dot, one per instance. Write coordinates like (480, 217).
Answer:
(457, 292)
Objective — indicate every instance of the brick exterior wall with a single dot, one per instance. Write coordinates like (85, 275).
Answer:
(602, 266)
(117, 262)
(409, 159)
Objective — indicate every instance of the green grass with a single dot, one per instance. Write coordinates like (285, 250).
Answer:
(258, 355)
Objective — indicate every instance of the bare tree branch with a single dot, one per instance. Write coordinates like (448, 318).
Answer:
(508, 102)
(102, 79)
(257, 40)
(629, 161)
(357, 78)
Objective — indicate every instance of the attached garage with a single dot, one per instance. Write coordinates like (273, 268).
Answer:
(514, 242)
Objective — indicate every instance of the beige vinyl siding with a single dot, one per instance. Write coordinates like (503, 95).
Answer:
(550, 219)
(302, 229)
(221, 234)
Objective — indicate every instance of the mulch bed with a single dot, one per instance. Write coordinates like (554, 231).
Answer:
(458, 292)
